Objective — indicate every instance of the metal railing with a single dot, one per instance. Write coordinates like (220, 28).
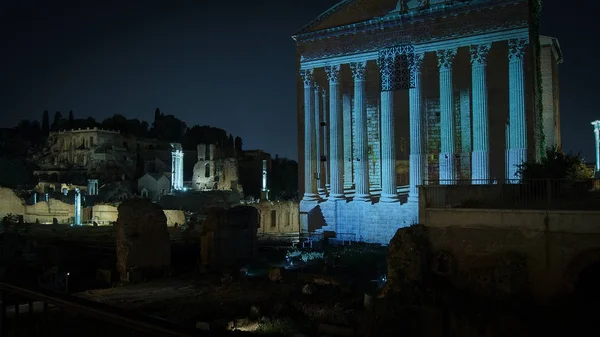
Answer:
(27, 312)
(513, 194)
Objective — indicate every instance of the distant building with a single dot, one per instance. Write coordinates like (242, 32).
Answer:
(154, 186)
(216, 169)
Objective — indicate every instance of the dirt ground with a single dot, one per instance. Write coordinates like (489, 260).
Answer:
(281, 306)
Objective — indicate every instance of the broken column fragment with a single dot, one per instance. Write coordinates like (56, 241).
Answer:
(143, 241)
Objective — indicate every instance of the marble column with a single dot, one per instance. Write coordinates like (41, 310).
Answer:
(347, 118)
(447, 130)
(387, 68)
(325, 125)
(517, 153)
(319, 176)
(310, 186)
(336, 146)
(417, 157)
(361, 174)
(596, 125)
(480, 157)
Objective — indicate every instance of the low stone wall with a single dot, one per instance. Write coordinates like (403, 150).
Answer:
(104, 213)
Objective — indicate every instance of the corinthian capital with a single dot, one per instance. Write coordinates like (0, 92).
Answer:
(358, 70)
(445, 58)
(333, 73)
(307, 77)
(479, 53)
(516, 49)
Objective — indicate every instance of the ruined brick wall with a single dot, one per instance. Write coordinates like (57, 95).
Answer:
(215, 170)
(45, 212)
(278, 217)
(494, 261)
(142, 237)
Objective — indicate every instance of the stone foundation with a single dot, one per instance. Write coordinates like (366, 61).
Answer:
(357, 221)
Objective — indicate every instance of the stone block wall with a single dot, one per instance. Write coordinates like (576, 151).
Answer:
(10, 203)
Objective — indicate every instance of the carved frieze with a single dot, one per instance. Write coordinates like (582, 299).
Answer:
(394, 65)
(421, 29)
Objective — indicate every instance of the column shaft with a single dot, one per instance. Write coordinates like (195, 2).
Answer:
(309, 145)
(335, 137)
(348, 162)
(361, 174)
(326, 140)
(319, 177)
(480, 157)
(596, 125)
(387, 67)
(417, 157)
(447, 129)
(516, 100)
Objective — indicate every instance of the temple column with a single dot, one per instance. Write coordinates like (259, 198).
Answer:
(447, 130)
(417, 157)
(480, 157)
(347, 118)
(517, 151)
(336, 146)
(319, 177)
(361, 174)
(310, 186)
(596, 125)
(387, 64)
(325, 125)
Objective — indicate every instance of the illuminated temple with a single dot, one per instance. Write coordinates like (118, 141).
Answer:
(396, 94)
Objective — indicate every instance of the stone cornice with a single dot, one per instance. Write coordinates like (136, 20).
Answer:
(521, 33)
(399, 19)
(418, 30)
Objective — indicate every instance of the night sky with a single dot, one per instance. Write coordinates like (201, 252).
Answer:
(229, 64)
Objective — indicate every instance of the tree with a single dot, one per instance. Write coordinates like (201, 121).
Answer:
(71, 119)
(238, 143)
(555, 165)
(45, 123)
(56, 121)
(230, 142)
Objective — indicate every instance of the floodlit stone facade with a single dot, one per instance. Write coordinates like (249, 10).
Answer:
(396, 94)
(216, 169)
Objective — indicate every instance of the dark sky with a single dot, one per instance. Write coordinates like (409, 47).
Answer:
(229, 64)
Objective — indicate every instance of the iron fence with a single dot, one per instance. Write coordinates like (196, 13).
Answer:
(27, 312)
(513, 194)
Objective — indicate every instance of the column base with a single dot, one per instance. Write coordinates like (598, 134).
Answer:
(480, 168)
(362, 197)
(413, 198)
(310, 197)
(514, 158)
(447, 168)
(336, 197)
(389, 198)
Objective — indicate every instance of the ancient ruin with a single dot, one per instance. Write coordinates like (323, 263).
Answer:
(596, 125)
(452, 90)
(216, 169)
(143, 241)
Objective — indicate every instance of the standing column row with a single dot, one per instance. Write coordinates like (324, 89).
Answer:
(319, 175)
(480, 158)
(310, 160)
(336, 146)
(447, 130)
(387, 67)
(416, 164)
(361, 174)
(517, 137)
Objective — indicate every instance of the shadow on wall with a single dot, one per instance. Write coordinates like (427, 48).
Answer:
(316, 220)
